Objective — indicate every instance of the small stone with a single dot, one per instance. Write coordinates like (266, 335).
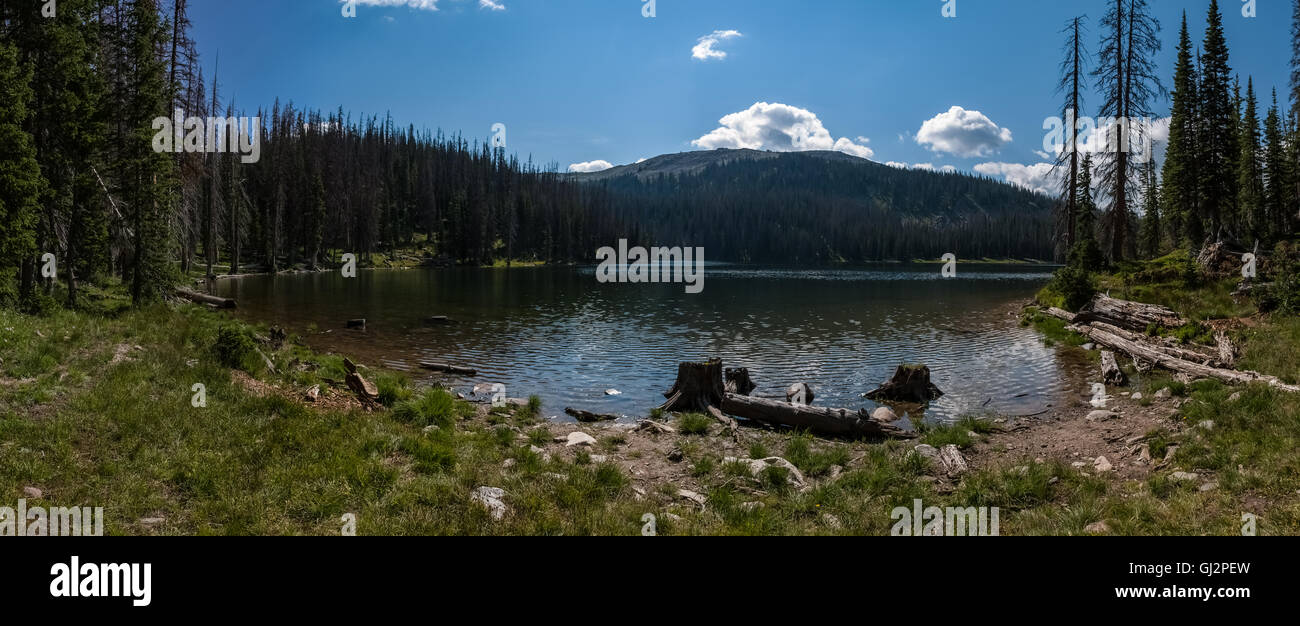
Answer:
(1089, 347)
(1182, 477)
(613, 392)
(599, 458)
(1078, 464)
(33, 493)
(928, 451)
(1102, 464)
(831, 521)
(675, 455)
(1097, 528)
(972, 434)
(1234, 397)
(1101, 416)
(1206, 425)
(1164, 394)
(1145, 454)
(579, 438)
(509, 463)
(1137, 396)
(491, 499)
(1210, 486)
(885, 415)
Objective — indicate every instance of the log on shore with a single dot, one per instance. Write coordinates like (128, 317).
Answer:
(1129, 315)
(203, 298)
(449, 369)
(1060, 313)
(588, 416)
(821, 420)
(1111, 374)
(1195, 370)
(1166, 345)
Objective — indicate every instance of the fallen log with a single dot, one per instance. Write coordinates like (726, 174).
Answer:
(449, 369)
(1130, 315)
(1194, 370)
(821, 420)
(588, 416)
(1060, 313)
(700, 389)
(1111, 374)
(1166, 345)
(203, 298)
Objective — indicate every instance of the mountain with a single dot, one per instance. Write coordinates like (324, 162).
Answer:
(822, 207)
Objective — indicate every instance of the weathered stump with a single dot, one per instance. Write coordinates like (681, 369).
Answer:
(698, 387)
(911, 383)
(738, 381)
(1111, 374)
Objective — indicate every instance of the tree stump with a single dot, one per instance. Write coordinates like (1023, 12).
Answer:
(738, 381)
(698, 387)
(911, 383)
(1111, 374)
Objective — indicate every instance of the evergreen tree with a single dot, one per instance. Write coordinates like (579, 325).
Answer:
(1087, 254)
(1180, 190)
(21, 184)
(1277, 174)
(1217, 149)
(1151, 233)
(1250, 171)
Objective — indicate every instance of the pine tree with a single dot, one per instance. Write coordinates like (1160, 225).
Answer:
(1086, 254)
(149, 174)
(1151, 233)
(1250, 171)
(1071, 85)
(1217, 149)
(1277, 175)
(1180, 196)
(21, 185)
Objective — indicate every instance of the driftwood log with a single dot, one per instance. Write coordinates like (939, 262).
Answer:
(700, 388)
(1111, 374)
(588, 416)
(449, 369)
(910, 383)
(366, 391)
(1129, 315)
(1146, 352)
(203, 298)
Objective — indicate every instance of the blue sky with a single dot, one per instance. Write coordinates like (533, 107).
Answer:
(579, 81)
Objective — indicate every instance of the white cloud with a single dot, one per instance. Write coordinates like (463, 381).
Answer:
(1037, 177)
(898, 164)
(962, 133)
(423, 5)
(598, 165)
(491, 4)
(704, 49)
(780, 128)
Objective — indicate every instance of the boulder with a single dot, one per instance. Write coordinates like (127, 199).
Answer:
(910, 383)
(491, 499)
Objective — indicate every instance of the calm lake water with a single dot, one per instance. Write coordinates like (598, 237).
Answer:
(560, 334)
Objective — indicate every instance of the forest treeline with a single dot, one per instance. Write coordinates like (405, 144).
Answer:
(1232, 168)
(805, 208)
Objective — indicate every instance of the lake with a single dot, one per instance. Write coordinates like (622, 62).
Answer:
(559, 333)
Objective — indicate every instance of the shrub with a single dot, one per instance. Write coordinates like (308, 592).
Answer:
(235, 349)
(1074, 287)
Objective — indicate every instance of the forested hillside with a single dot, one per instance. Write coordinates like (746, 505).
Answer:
(824, 207)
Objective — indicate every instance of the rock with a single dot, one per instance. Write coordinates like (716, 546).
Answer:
(579, 438)
(1145, 454)
(928, 452)
(1164, 394)
(910, 383)
(313, 394)
(1097, 528)
(1210, 486)
(1234, 397)
(1137, 396)
(1101, 416)
(1078, 464)
(1102, 464)
(675, 455)
(831, 521)
(1089, 346)
(801, 391)
(491, 499)
(1206, 425)
(758, 466)
(692, 496)
(885, 415)
(599, 458)
(613, 392)
(1183, 477)
(507, 464)
(33, 493)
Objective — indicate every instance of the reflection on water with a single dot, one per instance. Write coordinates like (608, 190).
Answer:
(560, 334)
